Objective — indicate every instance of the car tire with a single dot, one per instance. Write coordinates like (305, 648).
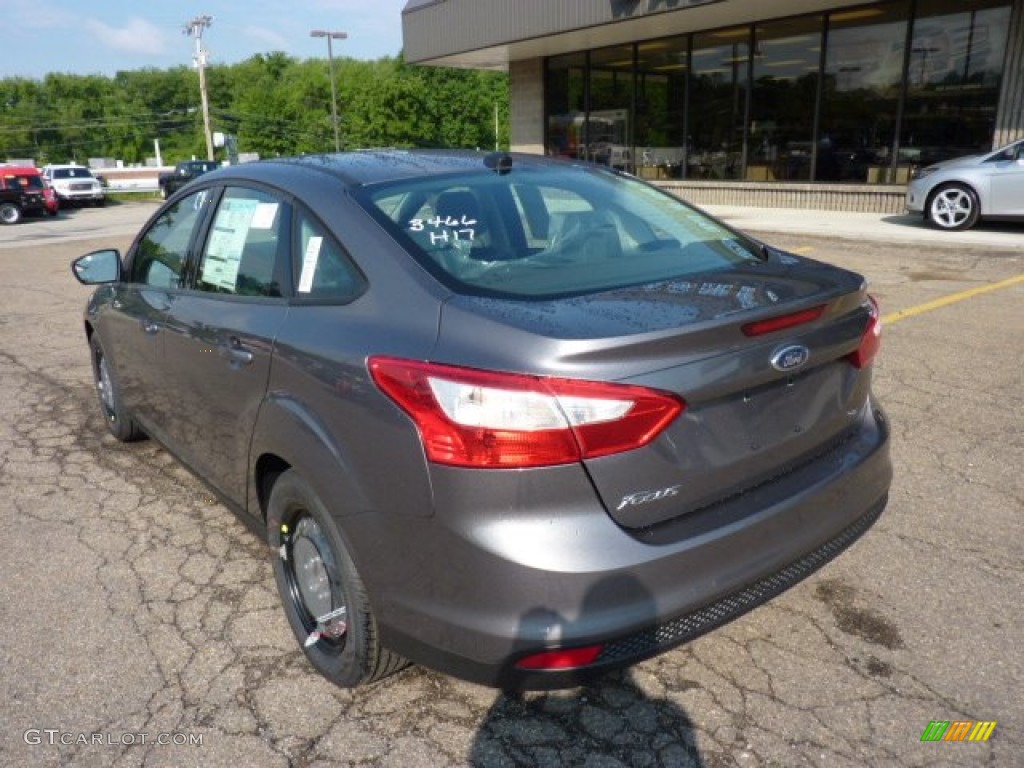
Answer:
(953, 207)
(119, 421)
(322, 594)
(9, 213)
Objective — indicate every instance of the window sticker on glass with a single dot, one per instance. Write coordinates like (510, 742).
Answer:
(309, 262)
(265, 215)
(227, 241)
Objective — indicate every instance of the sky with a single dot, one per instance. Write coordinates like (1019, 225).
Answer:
(106, 36)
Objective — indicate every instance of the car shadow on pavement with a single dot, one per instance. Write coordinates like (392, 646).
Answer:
(609, 722)
(913, 220)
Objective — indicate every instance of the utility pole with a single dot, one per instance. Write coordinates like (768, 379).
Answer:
(195, 29)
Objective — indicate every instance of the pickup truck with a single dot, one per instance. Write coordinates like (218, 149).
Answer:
(182, 174)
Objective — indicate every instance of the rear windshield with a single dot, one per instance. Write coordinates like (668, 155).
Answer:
(72, 173)
(539, 233)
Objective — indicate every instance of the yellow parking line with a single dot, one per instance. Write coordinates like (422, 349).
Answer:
(928, 306)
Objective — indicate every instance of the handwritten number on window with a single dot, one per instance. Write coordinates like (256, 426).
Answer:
(445, 229)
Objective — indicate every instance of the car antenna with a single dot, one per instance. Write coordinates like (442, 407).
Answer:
(499, 162)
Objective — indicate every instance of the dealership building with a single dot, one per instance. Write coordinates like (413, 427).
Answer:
(808, 103)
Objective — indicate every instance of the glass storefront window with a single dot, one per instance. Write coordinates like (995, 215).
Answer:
(787, 57)
(609, 134)
(953, 79)
(719, 91)
(861, 92)
(565, 104)
(857, 94)
(662, 67)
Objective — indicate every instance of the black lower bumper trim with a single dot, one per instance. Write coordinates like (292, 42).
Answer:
(685, 628)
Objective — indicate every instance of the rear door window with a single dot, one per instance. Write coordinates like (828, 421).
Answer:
(243, 251)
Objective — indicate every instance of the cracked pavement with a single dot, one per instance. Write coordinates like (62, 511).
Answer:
(134, 604)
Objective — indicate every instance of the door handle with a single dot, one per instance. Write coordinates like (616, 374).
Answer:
(236, 354)
(242, 356)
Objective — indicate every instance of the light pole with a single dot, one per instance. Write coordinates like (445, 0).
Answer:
(330, 68)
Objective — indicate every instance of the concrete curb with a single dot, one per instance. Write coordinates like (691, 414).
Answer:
(884, 227)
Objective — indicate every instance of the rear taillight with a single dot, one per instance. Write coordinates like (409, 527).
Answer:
(871, 340)
(473, 418)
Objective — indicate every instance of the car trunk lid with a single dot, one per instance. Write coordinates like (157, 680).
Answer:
(757, 405)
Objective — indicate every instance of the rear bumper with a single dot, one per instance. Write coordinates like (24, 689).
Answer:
(506, 571)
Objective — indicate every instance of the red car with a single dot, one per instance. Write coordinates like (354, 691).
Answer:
(30, 180)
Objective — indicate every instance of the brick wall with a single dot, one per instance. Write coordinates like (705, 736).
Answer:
(869, 198)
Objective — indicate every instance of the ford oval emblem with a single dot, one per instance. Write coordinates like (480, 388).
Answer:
(790, 358)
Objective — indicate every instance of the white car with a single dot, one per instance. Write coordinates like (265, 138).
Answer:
(74, 184)
(954, 194)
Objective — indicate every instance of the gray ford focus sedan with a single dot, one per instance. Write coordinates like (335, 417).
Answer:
(516, 419)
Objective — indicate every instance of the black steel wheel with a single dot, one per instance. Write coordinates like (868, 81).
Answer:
(117, 418)
(322, 594)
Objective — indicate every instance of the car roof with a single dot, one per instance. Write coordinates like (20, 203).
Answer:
(371, 166)
(18, 170)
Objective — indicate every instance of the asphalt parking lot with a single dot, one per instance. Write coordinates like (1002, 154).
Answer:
(136, 609)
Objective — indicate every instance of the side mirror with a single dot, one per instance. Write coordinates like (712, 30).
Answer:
(97, 267)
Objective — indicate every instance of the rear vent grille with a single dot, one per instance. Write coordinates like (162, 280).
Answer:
(729, 607)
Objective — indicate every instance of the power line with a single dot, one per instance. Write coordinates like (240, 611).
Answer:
(105, 122)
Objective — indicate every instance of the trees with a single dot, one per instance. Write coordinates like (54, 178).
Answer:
(275, 105)
(394, 104)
